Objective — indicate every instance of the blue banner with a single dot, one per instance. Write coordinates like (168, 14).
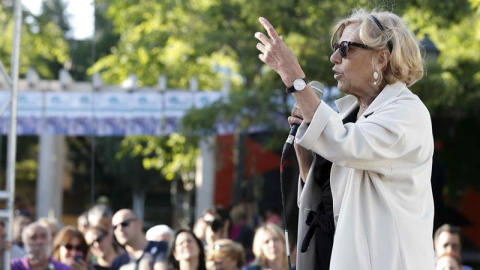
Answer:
(102, 114)
(115, 113)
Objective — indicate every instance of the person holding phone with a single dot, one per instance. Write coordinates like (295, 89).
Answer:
(70, 248)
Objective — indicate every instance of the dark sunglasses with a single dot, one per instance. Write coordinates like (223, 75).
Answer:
(344, 46)
(216, 224)
(124, 223)
(98, 240)
(70, 247)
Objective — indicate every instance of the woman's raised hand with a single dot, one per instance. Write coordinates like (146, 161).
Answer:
(276, 54)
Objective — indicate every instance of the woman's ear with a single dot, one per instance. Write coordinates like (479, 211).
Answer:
(382, 59)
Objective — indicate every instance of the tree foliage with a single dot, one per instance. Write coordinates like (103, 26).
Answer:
(42, 43)
(171, 155)
(213, 40)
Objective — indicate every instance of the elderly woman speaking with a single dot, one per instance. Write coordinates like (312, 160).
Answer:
(372, 206)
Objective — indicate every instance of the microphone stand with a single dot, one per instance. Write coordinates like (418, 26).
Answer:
(286, 147)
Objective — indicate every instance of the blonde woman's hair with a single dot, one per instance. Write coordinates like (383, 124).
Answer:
(227, 248)
(258, 242)
(405, 63)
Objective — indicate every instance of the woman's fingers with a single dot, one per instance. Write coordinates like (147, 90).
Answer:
(294, 120)
(276, 54)
(270, 30)
(296, 112)
(267, 44)
(263, 39)
(261, 47)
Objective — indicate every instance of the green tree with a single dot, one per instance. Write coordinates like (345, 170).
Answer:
(451, 86)
(54, 11)
(42, 44)
(187, 38)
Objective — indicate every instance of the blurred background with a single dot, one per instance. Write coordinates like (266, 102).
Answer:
(170, 163)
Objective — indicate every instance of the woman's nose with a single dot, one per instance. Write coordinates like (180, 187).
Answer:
(335, 58)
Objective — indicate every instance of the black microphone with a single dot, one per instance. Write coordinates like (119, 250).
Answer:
(318, 89)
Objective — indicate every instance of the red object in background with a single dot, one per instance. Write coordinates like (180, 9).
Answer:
(471, 210)
(257, 161)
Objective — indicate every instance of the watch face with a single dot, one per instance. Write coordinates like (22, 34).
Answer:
(299, 84)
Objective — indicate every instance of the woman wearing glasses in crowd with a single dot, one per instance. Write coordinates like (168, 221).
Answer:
(102, 247)
(365, 171)
(269, 248)
(70, 248)
(186, 251)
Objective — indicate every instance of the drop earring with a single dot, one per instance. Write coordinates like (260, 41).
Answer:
(375, 77)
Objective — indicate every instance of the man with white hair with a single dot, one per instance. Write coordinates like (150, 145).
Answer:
(159, 233)
(37, 241)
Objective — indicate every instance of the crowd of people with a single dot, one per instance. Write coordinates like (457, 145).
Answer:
(103, 239)
(106, 240)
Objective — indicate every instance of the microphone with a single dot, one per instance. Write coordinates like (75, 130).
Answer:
(318, 89)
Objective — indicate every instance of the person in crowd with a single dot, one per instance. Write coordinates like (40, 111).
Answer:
(53, 224)
(139, 252)
(37, 241)
(21, 219)
(226, 254)
(186, 251)
(70, 248)
(159, 233)
(271, 214)
(269, 248)
(199, 229)
(102, 247)
(241, 231)
(370, 198)
(447, 262)
(213, 225)
(447, 240)
(100, 215)
(82, 222)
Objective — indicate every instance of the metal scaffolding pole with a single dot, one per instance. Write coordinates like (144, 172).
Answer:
(9, 193)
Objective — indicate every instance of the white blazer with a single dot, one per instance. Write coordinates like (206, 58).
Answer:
(380, 181)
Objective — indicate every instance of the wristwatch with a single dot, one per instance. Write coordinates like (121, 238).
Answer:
(298, 85)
